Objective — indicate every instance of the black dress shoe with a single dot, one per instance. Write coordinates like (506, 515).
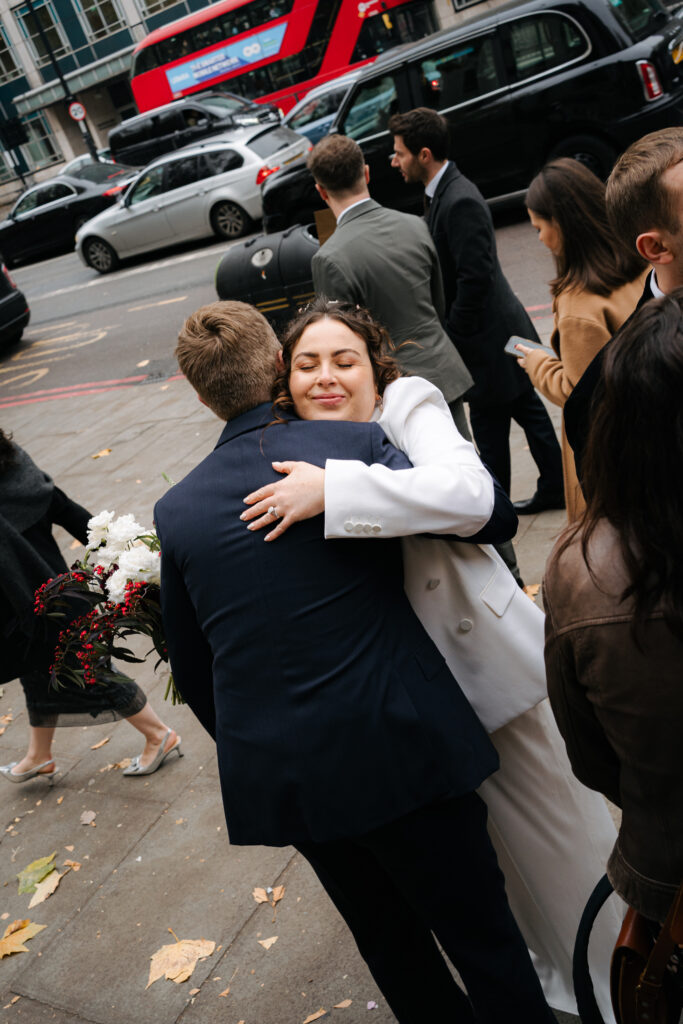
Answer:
(539, 503)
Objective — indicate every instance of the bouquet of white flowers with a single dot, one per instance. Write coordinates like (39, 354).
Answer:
(118, 580)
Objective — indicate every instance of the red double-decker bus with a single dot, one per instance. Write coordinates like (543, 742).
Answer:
(274, 50)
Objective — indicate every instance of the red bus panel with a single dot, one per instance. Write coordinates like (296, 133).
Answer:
(277, 61)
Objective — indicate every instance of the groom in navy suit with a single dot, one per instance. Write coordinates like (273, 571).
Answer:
(339, 728)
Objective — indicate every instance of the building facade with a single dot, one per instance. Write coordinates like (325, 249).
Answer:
(92, 41)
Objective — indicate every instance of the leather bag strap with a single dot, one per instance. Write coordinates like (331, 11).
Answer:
(650, 984)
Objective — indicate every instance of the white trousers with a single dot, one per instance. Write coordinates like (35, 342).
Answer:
(553, 837)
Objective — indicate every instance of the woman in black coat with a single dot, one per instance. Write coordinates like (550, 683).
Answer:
(30, 503)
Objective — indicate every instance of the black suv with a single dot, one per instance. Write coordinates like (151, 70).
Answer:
(518, 86)
(144, 137)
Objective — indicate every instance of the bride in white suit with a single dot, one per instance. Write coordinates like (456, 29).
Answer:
(552, 835)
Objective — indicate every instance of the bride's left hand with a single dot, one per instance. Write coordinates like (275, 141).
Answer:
(300, 495)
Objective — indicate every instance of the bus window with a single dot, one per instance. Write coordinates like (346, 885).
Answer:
(404, 24)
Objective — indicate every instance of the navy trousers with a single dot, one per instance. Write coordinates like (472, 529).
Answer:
(491, 429)
(433, 873)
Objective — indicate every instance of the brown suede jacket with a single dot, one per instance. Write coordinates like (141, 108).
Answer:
(620, 710)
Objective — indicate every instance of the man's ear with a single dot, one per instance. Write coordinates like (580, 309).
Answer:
(322, 193)
(653, 247)
(279, 361)
(367, 175)
(425, 155)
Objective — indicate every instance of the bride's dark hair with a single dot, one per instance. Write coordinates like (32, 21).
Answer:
(378, 343)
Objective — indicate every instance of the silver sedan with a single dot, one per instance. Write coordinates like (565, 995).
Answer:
(212, 186)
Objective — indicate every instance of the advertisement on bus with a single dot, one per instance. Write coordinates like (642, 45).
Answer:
(214, 65)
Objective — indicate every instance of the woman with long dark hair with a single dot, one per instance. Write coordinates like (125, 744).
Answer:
(614, 600)
(30, 503)
(597, 285)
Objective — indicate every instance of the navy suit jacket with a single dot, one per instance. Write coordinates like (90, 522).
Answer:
(332, 709)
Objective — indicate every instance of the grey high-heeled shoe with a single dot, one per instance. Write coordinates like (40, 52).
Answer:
(135, 768)
(32, 773)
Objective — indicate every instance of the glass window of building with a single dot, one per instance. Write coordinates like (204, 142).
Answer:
(152, 6)
(40, 150)
(50, 24)
(9, 69)
(102, 17)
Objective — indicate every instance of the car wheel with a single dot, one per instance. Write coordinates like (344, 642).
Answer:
(593, 153)
(229, 220)
(99, 255)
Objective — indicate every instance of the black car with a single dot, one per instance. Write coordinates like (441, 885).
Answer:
(142, 138)
(14, 311)
(518, 86)
(45, 218)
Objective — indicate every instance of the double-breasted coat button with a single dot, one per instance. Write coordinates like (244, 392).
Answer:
(367, 528)
(348, 526)
(358, 528)
(376, 528)
(465, 625)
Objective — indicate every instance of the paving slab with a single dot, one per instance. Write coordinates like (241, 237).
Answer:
(49, 820)
(181, 874)
(314, 964)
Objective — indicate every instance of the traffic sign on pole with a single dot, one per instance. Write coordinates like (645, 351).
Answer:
(77, 111)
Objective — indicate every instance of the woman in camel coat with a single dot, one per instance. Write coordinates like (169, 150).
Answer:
(596, 289)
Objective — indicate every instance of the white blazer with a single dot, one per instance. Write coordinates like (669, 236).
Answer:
(488, 630)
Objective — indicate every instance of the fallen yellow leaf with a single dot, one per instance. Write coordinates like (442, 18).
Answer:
(345, 1003)
(278, 893)
(260, 895)
(6, 719)
(225, 992)
(16, 934)
(96, 746)
(267, 943)
(36, 871)
(100, 455)
(46, 888)
(73, 864)
(69, 848)
(531, 590)
(178, 960)
(316, 1016)
(59, 800)
(194, 991)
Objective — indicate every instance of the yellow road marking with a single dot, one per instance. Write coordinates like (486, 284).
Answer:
(153, 305)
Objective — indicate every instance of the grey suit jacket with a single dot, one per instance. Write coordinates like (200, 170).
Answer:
(386, 261)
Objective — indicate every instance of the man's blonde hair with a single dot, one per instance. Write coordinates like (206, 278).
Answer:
(637, 199)
(227, 351)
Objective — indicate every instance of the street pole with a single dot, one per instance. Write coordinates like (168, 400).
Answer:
(68, 98)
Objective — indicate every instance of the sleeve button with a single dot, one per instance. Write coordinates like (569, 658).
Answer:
(466, 625)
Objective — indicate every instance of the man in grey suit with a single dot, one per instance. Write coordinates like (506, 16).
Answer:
(386, 261)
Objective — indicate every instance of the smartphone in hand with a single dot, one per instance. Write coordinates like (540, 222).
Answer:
(516, 340)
